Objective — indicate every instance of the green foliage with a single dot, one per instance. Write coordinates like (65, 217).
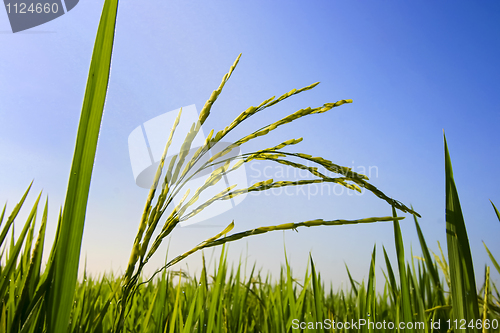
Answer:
(463, 282)
(181, 170)
(403, 273)
(37, 298)
(230, 301)
(67, 255)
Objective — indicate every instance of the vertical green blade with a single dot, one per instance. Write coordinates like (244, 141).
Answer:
(68, 248)
(370, 290)
(429, 263)
(463, 284)
(353, 285)
(10, 266)
(403, 277)
(12, 216)
(495, 263)
(3, 214)
(390, 272)
(496, 210)
(317, 293)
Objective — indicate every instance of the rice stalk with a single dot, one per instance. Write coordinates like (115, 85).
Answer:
(176, 178)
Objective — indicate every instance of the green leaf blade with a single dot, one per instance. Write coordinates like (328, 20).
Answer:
(463, 284)
(68, 249)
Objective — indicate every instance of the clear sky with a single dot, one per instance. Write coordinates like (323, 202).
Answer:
(413, 68)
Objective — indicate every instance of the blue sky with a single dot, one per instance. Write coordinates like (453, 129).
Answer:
(413, 68)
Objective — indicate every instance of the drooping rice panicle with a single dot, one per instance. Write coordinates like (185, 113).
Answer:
(288, 119)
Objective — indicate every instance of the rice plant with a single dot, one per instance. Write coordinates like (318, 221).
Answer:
(430, 289)
(181, 169)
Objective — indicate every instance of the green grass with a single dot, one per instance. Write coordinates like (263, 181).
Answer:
(225, 299)
(228, 300)
(48, 298)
